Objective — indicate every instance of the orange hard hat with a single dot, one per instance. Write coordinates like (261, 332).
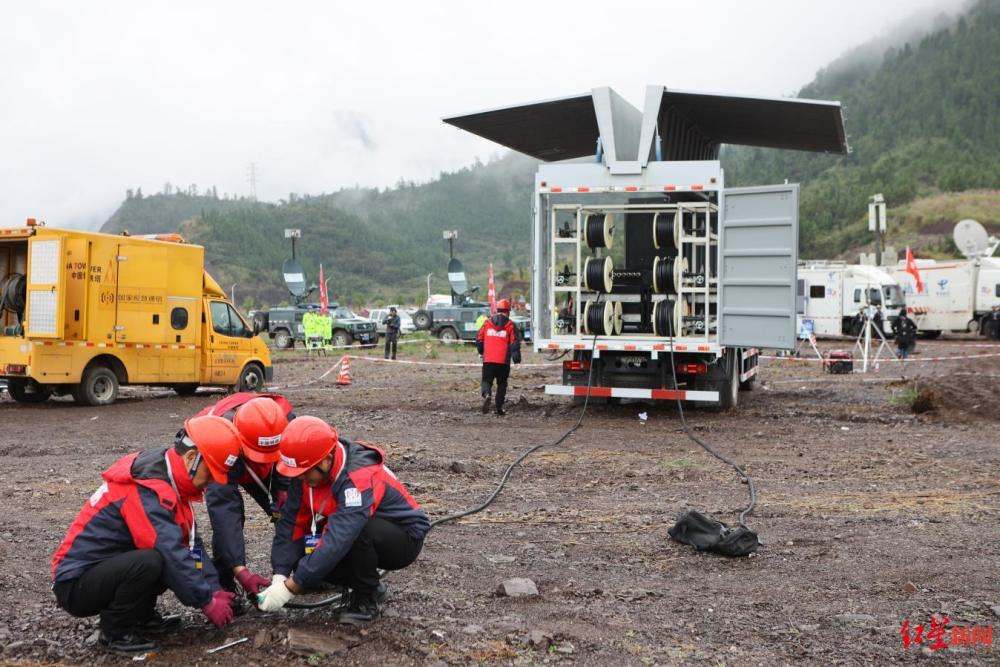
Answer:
(503, 304)
(306, 442)
(260, 421)
(218, 442)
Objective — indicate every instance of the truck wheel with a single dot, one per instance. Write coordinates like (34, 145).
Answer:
(185, 389)
(341, 338)
(283, 339)
(422, 320)
(27, 391)
(448, 335)
(729, 388)
(929, 335)
(99, 386)
(251, 379)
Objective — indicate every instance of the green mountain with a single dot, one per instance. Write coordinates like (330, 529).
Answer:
(922, 112)
(923, 119)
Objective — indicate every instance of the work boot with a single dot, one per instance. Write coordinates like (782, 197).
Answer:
(361, 609)
(500, 411)
(486, 403)
(380, 592)
(158, 624)
(129, 643)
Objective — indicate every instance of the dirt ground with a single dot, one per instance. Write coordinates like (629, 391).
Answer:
(870, 515)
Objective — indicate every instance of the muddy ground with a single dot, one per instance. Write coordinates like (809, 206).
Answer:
(869, 514)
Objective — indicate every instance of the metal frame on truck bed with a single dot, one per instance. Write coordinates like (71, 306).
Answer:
(703, 276)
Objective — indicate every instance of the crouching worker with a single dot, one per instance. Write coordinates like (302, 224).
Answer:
(260, 420)
(136, 537)
(346, 517)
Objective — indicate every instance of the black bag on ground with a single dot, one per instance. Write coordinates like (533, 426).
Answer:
(706, 534)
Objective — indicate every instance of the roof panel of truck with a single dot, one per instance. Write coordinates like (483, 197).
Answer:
(551, 130)
(799, 124)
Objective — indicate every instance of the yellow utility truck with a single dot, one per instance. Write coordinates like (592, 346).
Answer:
(83, 313)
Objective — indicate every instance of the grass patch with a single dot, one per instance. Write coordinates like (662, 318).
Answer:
(916, 396)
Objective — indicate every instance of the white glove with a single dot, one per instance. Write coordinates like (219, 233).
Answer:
(275, 596)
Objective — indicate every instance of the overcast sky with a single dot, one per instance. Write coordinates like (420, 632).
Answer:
(97, 97)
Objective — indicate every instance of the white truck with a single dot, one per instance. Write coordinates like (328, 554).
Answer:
(658, 280)
(956, 295)
(834, 293)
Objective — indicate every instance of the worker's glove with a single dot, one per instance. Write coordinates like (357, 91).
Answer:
(280, 498)
(251, 583)
(220, 609)
(275, 596)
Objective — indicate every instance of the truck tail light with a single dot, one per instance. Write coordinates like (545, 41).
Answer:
(691, 369)
(15, 369)
(577, 365)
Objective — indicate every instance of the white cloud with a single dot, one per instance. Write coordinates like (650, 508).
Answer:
(97, 97)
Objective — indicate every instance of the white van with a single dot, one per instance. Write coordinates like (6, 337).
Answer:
(835, 292)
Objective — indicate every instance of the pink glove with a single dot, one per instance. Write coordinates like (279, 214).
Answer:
(280, 498)
(251, 583)
(220, 609)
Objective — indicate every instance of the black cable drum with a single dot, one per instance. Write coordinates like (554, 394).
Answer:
(599, 230)
(598, 318)
(665, 231)
(668, 273)
(597, 274)
(665, 318)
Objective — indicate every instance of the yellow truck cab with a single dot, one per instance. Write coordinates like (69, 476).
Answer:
(83, 313)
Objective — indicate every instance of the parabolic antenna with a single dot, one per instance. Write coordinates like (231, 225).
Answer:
(971, 238)
(456, 276)
(295, 277)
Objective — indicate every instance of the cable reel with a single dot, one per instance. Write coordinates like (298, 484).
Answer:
(599, 230)
(668, 273)
(618, 320)
(666, 230)
(598, 318)
(667, 318)
(598, 274)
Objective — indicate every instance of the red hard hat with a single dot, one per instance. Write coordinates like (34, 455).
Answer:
(261, 422)
(306, 442)
(503, 304)
(218, 442)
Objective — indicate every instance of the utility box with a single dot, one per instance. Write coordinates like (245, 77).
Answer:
(661, 282)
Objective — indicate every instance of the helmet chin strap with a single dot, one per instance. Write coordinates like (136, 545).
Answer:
(193, 470)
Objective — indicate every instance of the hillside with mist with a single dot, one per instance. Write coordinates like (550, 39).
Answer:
(922, 108)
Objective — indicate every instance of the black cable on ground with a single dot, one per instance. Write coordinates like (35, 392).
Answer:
(752, 488)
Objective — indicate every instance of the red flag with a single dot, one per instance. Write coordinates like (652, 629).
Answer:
(492, 293)
(911, 268)
(324, 301)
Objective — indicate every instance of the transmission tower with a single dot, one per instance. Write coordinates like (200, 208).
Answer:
(252, 180)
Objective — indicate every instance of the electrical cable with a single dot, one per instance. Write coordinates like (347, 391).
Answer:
(500, 485)
(680, 409)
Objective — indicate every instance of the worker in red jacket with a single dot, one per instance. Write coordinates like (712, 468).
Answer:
(135, 537)
(260, 419)
(347, 516)
(499, 344)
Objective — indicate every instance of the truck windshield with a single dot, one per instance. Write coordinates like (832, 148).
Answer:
(893, 296)
(874, 296)
(343, 313)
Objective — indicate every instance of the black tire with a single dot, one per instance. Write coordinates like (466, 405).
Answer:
(98, 386)
(448, 335)
(929, 335)
(27, 391)
(251, 379)
(341, 338)
(185, 389)
(283, 339)
(422, 320)
(729, 388)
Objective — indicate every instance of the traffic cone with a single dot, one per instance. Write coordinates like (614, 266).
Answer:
(345, 370)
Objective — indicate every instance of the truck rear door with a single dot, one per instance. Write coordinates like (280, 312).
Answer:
(44, 313)
(758, 256)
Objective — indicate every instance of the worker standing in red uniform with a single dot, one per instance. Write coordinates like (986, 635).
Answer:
(499, 344)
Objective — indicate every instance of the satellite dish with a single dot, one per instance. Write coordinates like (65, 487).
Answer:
(971, 238)
(295, 277)
(456, 276)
